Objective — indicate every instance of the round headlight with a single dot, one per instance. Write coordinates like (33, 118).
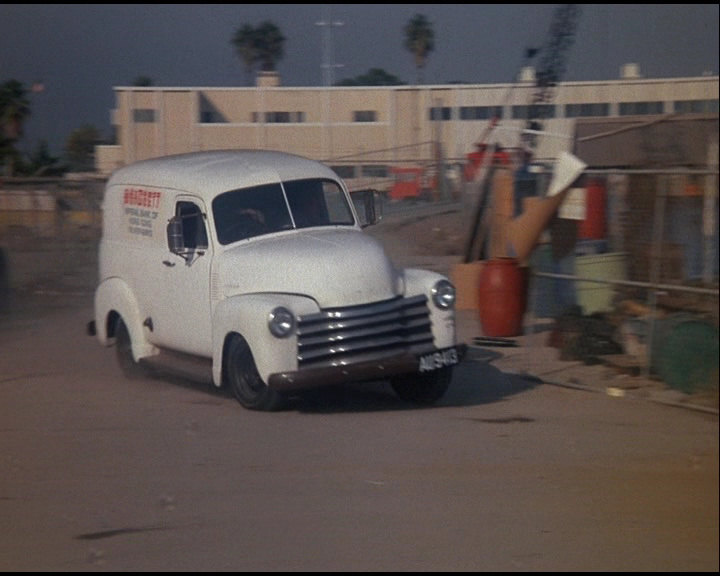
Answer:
(281, 322)
(443, 294)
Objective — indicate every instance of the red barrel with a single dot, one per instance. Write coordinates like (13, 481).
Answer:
(502, 294)
(593, 227)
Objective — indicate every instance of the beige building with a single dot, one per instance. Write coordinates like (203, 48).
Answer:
(363, 131)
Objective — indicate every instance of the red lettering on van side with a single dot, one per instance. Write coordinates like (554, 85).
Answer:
(141, 198)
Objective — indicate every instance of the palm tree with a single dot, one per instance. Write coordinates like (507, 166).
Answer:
(80, 147)
(420, 40)
(263, 45)
(14, 110)
(245, 42)
(269, 45)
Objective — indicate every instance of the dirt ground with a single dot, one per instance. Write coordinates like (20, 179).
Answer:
(506, 475)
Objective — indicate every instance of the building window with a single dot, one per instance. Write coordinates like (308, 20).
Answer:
(345, 171)
(374, 171)
(480, 112)
(143, 115)
(364, 116)
(211, 117)
(279, 117)
(640, 108)
(209, 113)
(441, 113)
(587, 110)
(696, 106)
(533, 111)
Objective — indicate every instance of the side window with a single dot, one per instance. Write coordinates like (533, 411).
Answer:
(336, 203)
(193, 225)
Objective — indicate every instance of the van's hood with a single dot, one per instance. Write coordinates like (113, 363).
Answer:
(338, 267)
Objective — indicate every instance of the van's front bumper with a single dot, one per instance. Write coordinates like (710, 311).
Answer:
(371, 370)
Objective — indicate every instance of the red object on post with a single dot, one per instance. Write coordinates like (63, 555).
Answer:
(593, 227)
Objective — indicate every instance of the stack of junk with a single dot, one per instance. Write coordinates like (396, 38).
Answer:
(533, 250)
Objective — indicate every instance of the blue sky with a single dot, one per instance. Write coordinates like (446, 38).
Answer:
(81, 51)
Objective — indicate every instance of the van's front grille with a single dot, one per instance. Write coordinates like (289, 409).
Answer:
(343, 336)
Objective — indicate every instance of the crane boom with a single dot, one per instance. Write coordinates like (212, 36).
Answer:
(553, 57)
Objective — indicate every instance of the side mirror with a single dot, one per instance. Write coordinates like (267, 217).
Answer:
(175, 240)
(366, 206)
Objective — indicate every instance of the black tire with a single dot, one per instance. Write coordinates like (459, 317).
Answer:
(424, 389)
(245, 382)
(123, 349)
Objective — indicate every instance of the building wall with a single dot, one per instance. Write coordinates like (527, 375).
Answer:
(371, 125)
(175, 133)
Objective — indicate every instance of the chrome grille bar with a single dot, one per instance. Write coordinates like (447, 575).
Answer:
(342, 336)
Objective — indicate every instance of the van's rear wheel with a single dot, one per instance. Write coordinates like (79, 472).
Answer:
(244, 380)
(123, 350)
(426, 388)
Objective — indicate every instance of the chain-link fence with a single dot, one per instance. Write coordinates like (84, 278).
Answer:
(49, 231)
(633, 281)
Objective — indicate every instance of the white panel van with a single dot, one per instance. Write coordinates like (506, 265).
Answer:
(253, 266)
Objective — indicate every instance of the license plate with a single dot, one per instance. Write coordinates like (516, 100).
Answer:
(440, 359)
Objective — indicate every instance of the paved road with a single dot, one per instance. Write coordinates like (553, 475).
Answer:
(101, 473)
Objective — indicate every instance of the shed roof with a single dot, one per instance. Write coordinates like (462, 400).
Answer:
(646, 142)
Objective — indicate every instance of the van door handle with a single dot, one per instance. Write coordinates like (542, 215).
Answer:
(168, 263)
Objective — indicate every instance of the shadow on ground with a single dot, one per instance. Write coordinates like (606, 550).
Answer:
(474, 383)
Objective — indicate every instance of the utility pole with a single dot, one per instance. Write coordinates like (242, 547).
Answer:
(328, 54)
(328, 67)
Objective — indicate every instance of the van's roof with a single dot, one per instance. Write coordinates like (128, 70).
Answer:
(210, 173)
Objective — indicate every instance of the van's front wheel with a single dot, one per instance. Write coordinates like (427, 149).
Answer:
(244, 380)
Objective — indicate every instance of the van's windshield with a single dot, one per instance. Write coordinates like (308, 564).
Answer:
(248, 212)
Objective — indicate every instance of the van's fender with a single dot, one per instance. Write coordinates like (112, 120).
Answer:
(114, 295)
(247, 315)
(419, 281)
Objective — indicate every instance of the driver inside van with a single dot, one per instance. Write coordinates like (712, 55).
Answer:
(308, 205)
(249, 222)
